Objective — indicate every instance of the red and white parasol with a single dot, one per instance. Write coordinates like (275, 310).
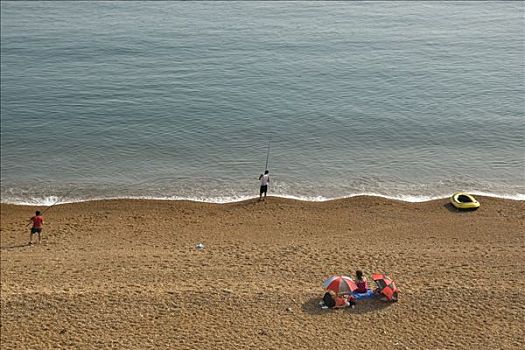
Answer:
(340, 284)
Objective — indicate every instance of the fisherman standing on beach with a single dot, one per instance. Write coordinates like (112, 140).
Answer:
(38, 222)
(265, 180)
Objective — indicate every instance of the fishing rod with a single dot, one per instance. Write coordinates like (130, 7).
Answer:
(55, 203)
(267, 155)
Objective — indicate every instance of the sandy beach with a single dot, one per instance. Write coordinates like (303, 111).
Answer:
(126, 274)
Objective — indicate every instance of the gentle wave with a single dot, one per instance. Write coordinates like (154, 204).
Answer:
(53, 200)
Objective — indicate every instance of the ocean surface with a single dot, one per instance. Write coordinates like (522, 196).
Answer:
(187, 100)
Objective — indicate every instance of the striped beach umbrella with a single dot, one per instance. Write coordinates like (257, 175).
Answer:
(386, 285)
(340, 284)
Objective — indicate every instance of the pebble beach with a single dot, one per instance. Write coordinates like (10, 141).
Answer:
(128, 274)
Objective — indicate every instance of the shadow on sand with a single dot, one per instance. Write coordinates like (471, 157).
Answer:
(453, 209)
(15, 246)
(312, 306)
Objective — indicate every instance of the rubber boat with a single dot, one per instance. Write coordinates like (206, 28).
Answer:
(462, 200)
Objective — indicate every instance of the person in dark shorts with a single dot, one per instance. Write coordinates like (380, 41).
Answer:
(265, 180)
(38, 223)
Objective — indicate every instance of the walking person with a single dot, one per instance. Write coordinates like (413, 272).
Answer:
(38, 223)
(265, 180)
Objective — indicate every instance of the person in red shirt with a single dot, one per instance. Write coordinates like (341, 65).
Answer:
(334, 301)
(38, 223)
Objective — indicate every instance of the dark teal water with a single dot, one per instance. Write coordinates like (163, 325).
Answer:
(410, 100)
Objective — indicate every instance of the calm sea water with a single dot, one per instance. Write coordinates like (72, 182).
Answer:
(180, 100)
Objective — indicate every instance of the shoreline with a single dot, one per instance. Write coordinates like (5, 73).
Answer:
(52, 200)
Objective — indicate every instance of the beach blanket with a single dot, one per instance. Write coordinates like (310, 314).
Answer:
(369, 294)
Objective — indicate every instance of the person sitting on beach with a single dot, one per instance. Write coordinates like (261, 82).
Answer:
(361, 282)
(333, 301)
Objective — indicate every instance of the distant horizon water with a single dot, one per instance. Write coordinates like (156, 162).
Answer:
(179, 100)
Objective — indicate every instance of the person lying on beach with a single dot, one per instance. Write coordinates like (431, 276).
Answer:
(361, 282)
(333, 301)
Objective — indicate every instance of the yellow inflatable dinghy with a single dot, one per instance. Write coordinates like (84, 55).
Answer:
(462, 200)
